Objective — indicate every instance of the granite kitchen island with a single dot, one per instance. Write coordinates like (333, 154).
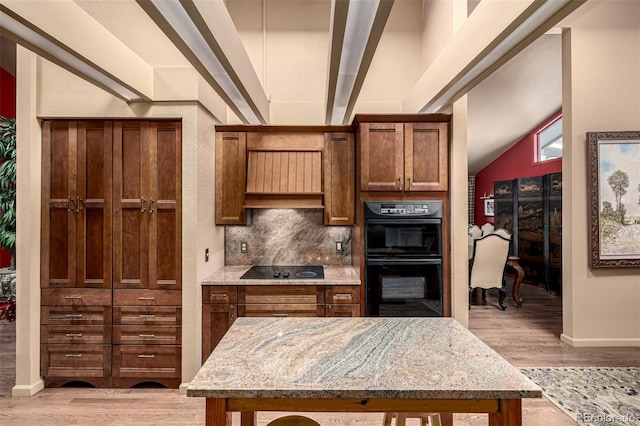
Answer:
(358, 365)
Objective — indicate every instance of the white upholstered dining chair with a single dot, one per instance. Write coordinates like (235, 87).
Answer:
(489, 259)
(487, 228)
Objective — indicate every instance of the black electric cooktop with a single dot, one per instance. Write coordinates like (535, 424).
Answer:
(284, 272)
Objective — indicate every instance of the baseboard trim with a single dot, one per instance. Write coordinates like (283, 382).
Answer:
(27, 390)
(599, 343)
(183, 388)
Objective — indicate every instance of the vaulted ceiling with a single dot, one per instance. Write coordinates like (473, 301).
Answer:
(508, 104)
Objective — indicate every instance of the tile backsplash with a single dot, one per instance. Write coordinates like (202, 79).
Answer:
(287, 237)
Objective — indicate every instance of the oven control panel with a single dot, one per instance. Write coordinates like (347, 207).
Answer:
(431, 209)
(404, 209)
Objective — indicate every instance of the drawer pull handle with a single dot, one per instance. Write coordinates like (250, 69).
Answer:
(73, 355)
(281, 315)
(73, 297)
(219, 296)
(74, 316)
(147, 336)
(146, 356)
(73, 335)
(146, 298)
(146, 316)
(342, 296)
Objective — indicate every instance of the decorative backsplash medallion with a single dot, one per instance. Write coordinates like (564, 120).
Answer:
(288, 237)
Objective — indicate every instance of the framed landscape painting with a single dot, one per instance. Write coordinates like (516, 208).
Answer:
(614, 195)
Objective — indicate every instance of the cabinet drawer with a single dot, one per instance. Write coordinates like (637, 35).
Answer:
(76, 297)
(81, 315)
(76, 334)
(281, 294)
(140, 315)
(219, 294)
(342, 294)
(342, 310)
(146, 361)
(76, 360)
(147, 297)
(146, 335)
(280, 310)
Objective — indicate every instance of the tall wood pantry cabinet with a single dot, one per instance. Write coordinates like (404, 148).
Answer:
(111, 253)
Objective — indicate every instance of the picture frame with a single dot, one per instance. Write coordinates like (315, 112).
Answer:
(613, 175)
(489, 207)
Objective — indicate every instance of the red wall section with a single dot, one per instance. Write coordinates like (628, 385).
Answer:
(7, 109)
(7, 94)
(517, 162)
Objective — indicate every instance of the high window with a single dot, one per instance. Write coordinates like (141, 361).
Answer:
(549, 141)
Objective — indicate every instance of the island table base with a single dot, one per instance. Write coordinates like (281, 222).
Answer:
(502, 412)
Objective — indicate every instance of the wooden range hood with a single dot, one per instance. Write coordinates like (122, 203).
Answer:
(284, 170)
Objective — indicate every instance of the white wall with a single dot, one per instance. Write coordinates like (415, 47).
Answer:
(601, 92)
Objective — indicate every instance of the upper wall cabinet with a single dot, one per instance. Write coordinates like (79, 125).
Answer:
(339, 200)
(406, 156)
(284, 167)
(231, 172)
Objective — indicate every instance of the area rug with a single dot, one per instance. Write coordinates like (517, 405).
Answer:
(592, 395)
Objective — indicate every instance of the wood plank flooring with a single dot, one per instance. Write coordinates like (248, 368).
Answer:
(526, 337)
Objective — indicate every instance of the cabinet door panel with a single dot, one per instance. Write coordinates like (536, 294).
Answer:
(130, 201)
(381, 149)
(231, 172)
(426, 160)
(216, 320)
(59, 171)
(339, 207)
(164, 213)
(93, 204)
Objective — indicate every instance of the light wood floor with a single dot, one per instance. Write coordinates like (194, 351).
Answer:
(525, 337)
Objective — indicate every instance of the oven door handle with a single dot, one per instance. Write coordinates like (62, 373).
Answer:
(403, 221)
(400, 262)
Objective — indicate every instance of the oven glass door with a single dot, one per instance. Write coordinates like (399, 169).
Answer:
(404, 290)
(417, 239)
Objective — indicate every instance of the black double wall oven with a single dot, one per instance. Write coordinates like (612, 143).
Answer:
(403, 258)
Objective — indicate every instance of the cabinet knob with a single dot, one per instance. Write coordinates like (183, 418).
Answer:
(409, 180)
(146, 356)
(399, 182)
(142, 204)
(73, 355)
(73, 335)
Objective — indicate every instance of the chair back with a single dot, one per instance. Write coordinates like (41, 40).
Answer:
(487, 228)
(475, 232)
(489, 259)
(503, 233)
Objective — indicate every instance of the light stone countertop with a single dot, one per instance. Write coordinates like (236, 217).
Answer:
(427, 358)
(333, 275)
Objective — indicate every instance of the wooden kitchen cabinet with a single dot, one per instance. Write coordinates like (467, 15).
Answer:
(231, 178)
(111, 247)
(403, 156)
(339, 164)
(221, 305)
(76, 251)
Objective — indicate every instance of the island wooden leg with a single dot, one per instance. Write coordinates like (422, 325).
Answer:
(248, 418)
(446, 419)
(512, 261)
(510, 413)
(216, 412)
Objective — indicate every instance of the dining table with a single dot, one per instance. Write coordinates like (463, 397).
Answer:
(363, 364)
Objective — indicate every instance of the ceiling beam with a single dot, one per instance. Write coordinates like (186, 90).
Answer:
(356, 28)
(205, 34)
(63, 33)
(495, 32)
